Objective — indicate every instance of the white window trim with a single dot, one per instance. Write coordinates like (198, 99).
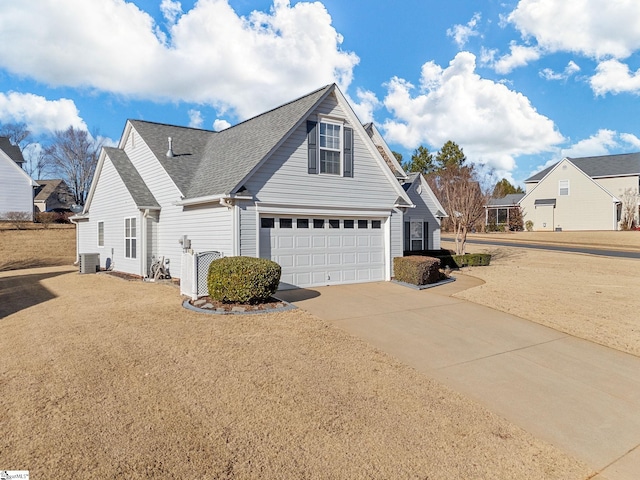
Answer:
(100, 245)
(560, 188)
(340, 150)
(129, 238)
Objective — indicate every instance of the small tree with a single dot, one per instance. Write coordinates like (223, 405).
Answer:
(516, 222)
(462, 197)
(630, 200)
(19, 219)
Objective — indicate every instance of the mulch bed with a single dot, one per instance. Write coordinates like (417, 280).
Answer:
(207, 303)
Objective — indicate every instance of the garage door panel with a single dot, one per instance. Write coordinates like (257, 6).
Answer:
(334, 241)
(319, 241)
(303, 260)
(303, 241)
(323, 255)
(285, 260)
(319, 259)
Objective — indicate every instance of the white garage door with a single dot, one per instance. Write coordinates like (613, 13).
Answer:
(315, 251)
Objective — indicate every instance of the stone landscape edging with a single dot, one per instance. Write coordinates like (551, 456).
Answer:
(424, 287)
(288, 306)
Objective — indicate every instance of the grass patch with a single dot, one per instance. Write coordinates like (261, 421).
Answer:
(37, 247)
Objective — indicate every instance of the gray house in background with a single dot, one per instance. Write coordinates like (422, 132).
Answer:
(52, 195)
(582, 193)
(305, 184)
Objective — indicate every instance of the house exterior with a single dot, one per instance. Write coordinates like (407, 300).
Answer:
(421, 224)
(303, 184)
(581, 193)
(499, 211)
(52, 195)
(16, 186)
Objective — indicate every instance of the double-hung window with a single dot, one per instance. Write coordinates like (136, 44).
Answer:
(130, 239)
(330, 148)
(563, 187)
(417, 233)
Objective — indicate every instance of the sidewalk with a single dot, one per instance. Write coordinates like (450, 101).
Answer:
(578, 396)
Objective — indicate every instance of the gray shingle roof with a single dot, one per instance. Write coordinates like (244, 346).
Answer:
(507, 200)
(46, 188)
(210, 163)
(139, 191)
(232, 154)
(11, 150)
(600, 166)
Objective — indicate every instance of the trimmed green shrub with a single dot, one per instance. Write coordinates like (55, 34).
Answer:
(528, 225)
(243, 279)
(417, 270)
(472, 260)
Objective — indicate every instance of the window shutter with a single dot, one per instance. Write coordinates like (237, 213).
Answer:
(425, 235)
(348, 152)
(312, 143)
(407, 236)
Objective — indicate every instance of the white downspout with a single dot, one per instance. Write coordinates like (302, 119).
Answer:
(144, 235)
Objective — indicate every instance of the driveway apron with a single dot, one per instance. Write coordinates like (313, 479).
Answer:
(579, 396)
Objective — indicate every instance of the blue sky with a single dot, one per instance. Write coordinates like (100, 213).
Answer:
(517, 84)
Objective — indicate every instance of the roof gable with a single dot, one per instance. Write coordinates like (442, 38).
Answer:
(599, 166)
(233, 154)
(568, 162)
(47, 187)
(12, 151)
(132, 180)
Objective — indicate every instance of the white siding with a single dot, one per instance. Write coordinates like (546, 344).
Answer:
(111, 204)
(207, 226)
(248, 229)
(16, 191)
(587, 207)
(284, 178)
(397, 238)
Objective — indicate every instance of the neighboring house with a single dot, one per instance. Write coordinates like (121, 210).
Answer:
(581, 193)
(303, 184)
(16, 186)
(52, 195)
(498, 211)
(422, 223)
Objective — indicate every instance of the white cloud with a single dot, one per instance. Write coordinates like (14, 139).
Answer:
(630, 140)
(195, 118)
(41, 116)
(462, 33)
(365, 105)
(519, 56)
(571, 69)
(613, 76)
(595, 28)
(171, 10)
(491, 122)
(601, 143)
(220, 124)
(211, 55)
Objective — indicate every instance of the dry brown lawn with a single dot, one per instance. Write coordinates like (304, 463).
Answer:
(36, 246)
(592, 297)
(104, 378)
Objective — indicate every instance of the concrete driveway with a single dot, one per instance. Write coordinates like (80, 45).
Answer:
(582, 397)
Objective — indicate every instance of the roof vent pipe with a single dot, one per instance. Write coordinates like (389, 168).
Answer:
(170, 151)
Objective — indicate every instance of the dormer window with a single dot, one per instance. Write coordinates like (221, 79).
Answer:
(330, 146)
